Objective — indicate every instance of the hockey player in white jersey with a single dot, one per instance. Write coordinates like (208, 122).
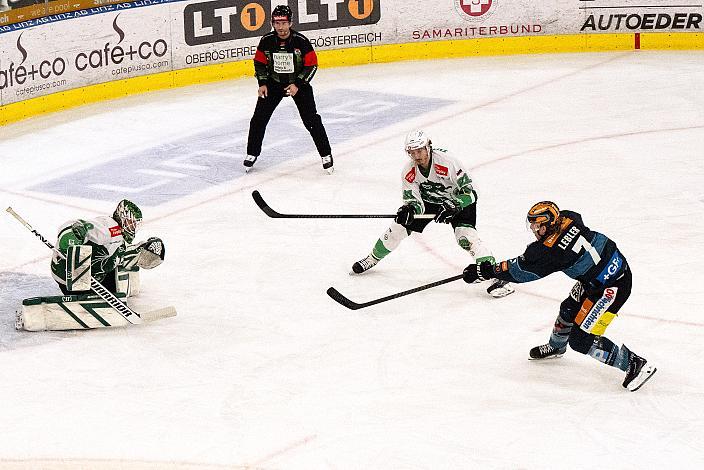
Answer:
(434, 182)
(105, 244)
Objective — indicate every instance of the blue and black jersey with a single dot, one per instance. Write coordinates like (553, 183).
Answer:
(585, 255)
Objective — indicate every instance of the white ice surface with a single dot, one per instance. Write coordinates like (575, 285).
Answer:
(260, 369)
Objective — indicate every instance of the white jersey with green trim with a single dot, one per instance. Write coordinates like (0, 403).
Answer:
(446, 179)
(103, 234)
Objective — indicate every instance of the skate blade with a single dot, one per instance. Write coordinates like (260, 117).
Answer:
(500, 292)
(649, 374)
(545, 358)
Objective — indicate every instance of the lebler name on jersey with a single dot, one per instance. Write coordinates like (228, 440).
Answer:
(568, 237)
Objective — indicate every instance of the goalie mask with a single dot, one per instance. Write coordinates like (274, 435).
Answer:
(417, 139)
(129, 217)
(543, 214)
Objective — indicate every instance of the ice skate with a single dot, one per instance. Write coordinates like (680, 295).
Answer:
(249, 162)
(364, 264)
(545, 351)
(327, 164)
(639, 372)
(500, 289)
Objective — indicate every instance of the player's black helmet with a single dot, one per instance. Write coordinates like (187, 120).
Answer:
(281, 12)
(545, 214)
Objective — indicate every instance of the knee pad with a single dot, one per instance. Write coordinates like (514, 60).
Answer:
(569, 309)
(468, 239)
(581, 341)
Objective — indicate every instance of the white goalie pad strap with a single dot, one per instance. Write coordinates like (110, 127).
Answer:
(78, 259)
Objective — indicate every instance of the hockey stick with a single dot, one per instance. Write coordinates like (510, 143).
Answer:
(259, 200)
(117, 305)
(342, 300)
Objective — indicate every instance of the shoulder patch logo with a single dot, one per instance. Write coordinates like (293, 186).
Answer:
(441, 170)
(411, 175)
(115, 231)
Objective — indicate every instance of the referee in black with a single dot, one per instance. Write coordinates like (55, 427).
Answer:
(284, 65)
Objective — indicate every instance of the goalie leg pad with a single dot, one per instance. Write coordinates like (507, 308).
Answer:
(78, 260)
(68, 312)
(127, 281)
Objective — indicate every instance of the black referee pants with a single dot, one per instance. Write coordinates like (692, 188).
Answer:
(305, 102)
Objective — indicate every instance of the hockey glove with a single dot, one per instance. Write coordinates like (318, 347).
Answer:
(478, 272)
(448, 211)
(151, 253)
(404, 215)
(80, 230)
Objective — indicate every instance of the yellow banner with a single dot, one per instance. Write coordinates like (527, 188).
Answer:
(32, 12)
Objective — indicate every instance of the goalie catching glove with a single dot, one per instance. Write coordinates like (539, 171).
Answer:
(151, 253)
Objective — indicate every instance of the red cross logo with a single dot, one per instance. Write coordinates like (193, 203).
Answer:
(475, 7)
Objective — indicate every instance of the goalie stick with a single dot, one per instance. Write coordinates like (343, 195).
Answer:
(120, 307)
(259, 200)
(342, 300)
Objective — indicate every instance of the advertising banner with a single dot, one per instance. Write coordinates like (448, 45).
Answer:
(24, 10)
(224, 30)
(115, 41)
(84, 51)
(619, 16)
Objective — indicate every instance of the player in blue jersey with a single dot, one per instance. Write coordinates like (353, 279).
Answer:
(564, 243)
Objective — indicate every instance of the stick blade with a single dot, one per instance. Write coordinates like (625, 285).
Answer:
(259, 200)
(342, 300)
(158, 314)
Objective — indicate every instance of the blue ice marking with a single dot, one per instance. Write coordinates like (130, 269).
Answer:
(182, 167)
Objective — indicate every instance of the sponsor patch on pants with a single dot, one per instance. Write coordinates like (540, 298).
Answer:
(595, 317)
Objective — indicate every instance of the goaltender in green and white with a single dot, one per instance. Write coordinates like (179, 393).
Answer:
(100, 249)
(105, 244)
